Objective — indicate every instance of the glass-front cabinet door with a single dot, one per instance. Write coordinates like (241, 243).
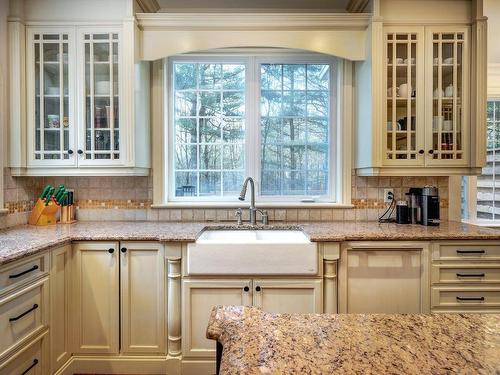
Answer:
(100, 144)
(404, 120)
(448, 101)
(50, 101)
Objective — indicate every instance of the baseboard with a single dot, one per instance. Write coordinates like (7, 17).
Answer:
(198, 367)
(121, 364)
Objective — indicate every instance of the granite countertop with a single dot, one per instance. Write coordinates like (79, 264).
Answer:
(256, 342)
(22, 241)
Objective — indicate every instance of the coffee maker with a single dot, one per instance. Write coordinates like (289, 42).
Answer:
(423, 205)
(430, 206)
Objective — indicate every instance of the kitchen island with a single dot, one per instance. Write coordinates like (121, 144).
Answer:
(256, 342)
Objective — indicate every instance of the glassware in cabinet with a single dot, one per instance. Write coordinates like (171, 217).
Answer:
(448, 49)
(102, 125)
(51, 96)
(401, 106)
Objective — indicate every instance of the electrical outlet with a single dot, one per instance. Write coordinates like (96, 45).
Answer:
(388, 195)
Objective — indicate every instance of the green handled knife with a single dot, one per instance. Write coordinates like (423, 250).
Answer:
(45, 191)
(49, 195)
(61, 198)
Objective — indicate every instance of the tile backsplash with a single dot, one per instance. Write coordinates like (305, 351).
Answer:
(130, 198)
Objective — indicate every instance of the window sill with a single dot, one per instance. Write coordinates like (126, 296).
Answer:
(483, 223)
(245, 204)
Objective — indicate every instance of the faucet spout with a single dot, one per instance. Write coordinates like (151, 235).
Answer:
(252, 209)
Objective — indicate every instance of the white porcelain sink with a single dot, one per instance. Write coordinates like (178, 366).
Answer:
(252, 252)
(253, 236)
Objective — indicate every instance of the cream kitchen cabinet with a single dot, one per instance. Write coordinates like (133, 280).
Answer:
(424, 125)
(143, 302)
(60, 294)
(384, 277)
(104, 271)
(96, 327)
(465, 277)
(274, 295)
(82, 113)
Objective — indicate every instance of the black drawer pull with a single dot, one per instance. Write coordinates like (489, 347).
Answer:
(34, 268)
(35, 306)
(470, 298)
(470, 274)
(471, 251)
(35, 362)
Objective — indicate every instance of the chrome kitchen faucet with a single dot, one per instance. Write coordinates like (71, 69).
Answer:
(252, 209)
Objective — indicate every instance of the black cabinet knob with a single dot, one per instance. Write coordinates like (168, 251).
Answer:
(80, 152)
(70, 152)
(421, 152)
(111, 251)
(257, 288)
(123, 249)
(431, 152)
(246, 289)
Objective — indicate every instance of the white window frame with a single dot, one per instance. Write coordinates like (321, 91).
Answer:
(471, 195)
(339, 132)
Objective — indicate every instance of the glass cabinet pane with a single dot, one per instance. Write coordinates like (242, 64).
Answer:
(101, 97)
(51, 96)
(401, 141)
(447, 97)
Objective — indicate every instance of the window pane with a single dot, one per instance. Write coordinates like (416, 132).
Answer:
(209, 118)
(295, 123)
(488, 189)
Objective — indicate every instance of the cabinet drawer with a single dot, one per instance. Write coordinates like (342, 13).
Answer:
(465, 274)
(467, 251)
(465, 298)
(28, 361)
(21, 315)
(19, 272)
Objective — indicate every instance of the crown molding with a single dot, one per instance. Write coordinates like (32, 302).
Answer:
(253, 21)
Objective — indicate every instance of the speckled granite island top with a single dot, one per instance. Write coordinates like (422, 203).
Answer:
(255, 342)
(22, 241)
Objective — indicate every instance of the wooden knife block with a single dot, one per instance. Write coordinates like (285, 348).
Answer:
(44, 214)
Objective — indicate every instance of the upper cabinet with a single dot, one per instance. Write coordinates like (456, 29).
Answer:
(426, 84)
(426, 75)
(85, 100)
(51, 100)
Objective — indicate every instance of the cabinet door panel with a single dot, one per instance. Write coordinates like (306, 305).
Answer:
(199, 297)
(97, 297)
(51, 97)
(383, 281)
(448, 103)
(101, 140)
(404, 120)
(142, 276)
(288, 296)
(59, 306)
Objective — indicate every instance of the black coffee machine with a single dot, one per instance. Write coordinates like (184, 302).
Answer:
(423, 205)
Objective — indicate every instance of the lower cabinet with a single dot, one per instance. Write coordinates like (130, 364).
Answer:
(110, 278)
(465, 277)
(288, 296)
(96, 298)
(384, 277)
(60, 294)
(142, 289)
(199, 296)
(30, 360)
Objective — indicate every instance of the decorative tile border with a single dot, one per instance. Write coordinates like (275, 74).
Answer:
(140, 204)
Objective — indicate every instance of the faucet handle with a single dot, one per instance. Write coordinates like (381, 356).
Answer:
(265, 217)
(238, 214)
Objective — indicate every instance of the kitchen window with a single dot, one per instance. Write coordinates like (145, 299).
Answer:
(272, 118)
(481, 194)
